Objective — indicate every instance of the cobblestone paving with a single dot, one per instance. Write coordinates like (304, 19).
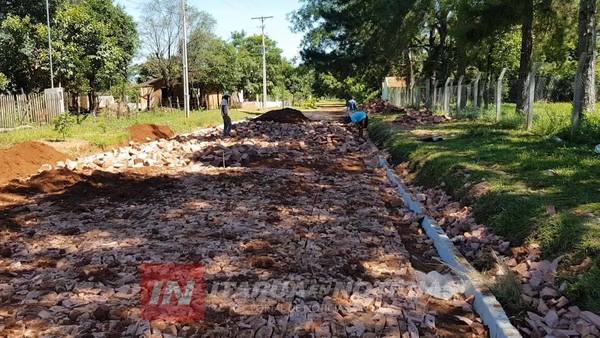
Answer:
(299, 235)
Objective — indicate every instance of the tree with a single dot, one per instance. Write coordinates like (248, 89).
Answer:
(299, 82)
(213, 62)
(161, 32)
(96, 42)
(361, 39)
(584, 99)
(369, 39)
(526, 60)
(249, 51)
(24, 54)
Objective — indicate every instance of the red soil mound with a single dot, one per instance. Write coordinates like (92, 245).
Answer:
(25, 159)
(149, 132)
(47, 182)
(69, 188)
(287, 115)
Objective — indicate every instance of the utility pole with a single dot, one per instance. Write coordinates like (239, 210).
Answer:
(264, 55)
(186, 84)
(49, 44)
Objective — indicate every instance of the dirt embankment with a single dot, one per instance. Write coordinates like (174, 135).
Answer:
(149, 132)
(25, 159)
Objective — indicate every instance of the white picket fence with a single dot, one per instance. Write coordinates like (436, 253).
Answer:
(18, 110)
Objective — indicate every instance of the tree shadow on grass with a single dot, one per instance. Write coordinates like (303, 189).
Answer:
(527, 177)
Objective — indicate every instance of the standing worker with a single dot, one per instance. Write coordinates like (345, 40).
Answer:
(361, 120)
(225, 114)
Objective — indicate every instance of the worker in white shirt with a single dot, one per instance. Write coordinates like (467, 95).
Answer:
(225, 114)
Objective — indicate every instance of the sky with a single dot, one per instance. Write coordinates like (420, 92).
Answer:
(235, 15)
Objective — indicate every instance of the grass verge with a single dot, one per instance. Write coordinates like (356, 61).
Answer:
(526, 175)
(104, 132)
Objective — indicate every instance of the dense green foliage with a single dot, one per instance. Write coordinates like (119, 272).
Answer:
(3, 82)
(94, 42)
(97, 42)
(24, 53)
(369, 39)
(213, 62)
(35, 9)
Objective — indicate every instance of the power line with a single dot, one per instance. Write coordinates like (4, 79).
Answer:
(264, 52)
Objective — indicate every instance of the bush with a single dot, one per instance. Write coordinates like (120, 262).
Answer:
(507, 290)
(551, 118)
(309, 104)
(3, 82)
(63, 124)
(588, 133)
(585, 289)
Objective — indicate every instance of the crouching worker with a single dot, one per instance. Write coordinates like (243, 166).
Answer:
(361, 120)
(225, 114)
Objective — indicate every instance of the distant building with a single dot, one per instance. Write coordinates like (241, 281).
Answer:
(154, 93)
(390, 85)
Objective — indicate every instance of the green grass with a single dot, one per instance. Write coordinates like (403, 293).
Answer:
(549, 118)
(330, 102)
(507, 290)
(108, 131)
(525, 172)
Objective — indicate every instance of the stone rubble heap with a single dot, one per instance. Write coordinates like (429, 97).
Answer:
(414, 118)
(379, 106)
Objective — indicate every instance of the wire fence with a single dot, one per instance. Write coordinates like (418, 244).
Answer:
(453, 96)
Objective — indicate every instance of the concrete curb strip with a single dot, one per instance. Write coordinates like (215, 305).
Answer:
(486, 305)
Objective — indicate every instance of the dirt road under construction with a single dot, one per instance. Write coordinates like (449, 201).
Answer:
(296, 228)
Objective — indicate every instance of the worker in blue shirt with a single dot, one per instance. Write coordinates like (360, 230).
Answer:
(361, 120)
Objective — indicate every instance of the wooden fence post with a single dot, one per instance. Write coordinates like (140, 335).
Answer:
(499, 95)
(531, 98)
